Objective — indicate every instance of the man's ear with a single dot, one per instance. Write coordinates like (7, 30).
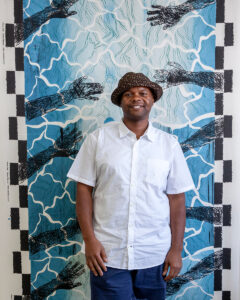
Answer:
(120, 100)
(153, 94)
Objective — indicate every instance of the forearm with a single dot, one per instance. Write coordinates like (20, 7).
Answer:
(84, 211)
(173, 259)
(94, 251)
(177, 220)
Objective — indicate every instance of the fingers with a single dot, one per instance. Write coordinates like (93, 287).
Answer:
(96, 265)
(166, 27)
(155, 23)
(153, 18)
(165, 268)
(93, 98)
(103, 255)
(172, 273)
(101, 265)
(92, 268)
(95, 268)
(157, 6)
(173, 270)
(152, 12)
(72, 13)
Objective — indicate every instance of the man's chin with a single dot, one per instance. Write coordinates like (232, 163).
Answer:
(136, 117)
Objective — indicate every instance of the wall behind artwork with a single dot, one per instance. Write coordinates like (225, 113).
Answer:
(14, 255)
(15, 170)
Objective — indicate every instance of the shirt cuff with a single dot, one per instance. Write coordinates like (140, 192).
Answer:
(82, 180)
(182, 190)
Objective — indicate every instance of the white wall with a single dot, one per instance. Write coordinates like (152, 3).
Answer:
(233, 193)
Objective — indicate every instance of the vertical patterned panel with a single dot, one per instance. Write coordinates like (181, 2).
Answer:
(223, 167)
(74, 56)
(17, 135)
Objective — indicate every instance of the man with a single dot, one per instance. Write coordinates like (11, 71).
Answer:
(130, 199)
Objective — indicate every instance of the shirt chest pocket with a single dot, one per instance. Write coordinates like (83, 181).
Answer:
(157, 172)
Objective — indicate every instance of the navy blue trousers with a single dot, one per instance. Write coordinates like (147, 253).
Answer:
(118, 284)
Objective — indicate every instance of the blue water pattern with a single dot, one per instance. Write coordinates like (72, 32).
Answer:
(104, 40)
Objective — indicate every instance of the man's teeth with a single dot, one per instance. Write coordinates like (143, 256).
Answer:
(136, 106)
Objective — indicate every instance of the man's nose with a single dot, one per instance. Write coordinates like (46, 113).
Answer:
(135, 97)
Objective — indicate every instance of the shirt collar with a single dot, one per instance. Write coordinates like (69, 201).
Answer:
(149, 133)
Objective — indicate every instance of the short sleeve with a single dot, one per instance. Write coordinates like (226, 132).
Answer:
(83, 168)
(179, 177)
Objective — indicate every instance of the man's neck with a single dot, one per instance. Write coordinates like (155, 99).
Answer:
(138, 127)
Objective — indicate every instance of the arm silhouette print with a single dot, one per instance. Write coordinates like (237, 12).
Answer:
(57, 9)
(67, 279)
(177, 75)
(77, 90)
(64, 146)
(207, 134)
(204, 267)
(44, 240)
(169, 16)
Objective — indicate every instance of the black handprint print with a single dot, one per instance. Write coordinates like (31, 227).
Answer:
(168, 16)
(64, 146)
(77, 90)
(58, 9)
(177, 75)
(68, 278)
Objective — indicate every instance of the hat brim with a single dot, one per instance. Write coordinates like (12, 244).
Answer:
(154, 87)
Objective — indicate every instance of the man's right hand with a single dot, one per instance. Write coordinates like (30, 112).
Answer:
(95, 256)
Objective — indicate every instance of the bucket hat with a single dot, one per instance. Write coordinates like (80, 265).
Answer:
(132, 79)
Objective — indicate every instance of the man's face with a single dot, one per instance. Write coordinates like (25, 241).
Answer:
(136, 103)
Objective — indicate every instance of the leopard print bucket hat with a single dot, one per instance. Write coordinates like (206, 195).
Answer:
(132, 79)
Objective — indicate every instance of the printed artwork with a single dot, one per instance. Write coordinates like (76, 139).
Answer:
(75, 51)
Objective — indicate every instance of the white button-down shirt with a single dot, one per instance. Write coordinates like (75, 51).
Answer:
(131, 180)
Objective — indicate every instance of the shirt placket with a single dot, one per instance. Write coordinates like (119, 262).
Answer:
(132, 206)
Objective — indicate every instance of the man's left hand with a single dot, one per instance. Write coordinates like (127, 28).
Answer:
(174, 262)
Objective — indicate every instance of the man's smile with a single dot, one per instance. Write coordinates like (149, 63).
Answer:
(136, 106)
